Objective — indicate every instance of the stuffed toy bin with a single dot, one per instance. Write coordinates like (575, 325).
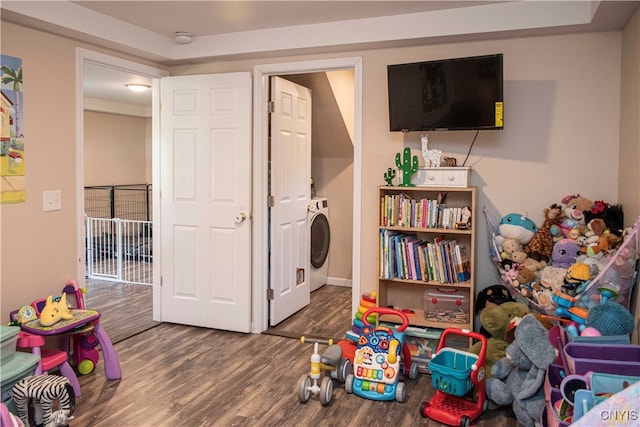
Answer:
(553, 379)
(451, 371)
(550, 417)
(609, 359)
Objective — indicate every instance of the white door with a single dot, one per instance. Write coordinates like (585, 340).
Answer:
(205, 161)
(290, 190)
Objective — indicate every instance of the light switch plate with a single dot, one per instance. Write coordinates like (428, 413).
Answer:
(52, 200)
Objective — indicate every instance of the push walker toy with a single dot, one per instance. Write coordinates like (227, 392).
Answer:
(331, 362)
(377, 361)
(454, 373)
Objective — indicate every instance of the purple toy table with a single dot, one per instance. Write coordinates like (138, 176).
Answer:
(81, 319)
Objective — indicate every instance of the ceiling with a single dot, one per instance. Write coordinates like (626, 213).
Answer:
(224, 30)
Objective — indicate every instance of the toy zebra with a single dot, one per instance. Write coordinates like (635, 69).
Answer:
(44, 390)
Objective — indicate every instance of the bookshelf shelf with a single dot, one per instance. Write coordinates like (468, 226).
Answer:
(425, 255)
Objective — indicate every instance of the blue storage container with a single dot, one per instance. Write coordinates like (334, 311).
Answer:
(451, 371)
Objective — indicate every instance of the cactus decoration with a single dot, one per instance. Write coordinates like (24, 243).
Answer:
(389, 175)
(408, 167)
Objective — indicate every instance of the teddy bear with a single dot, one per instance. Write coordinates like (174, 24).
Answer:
(575, 207)
(512, 253)
(541, 245)
(517, 378)
(494, 319)
(523, 281)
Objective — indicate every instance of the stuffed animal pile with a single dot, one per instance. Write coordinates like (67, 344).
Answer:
(576, 241)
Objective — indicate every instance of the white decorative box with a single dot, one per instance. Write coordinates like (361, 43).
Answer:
(440, 177)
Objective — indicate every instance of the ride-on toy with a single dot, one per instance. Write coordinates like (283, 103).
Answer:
(378, 359)
(331, 362)
(454, 373)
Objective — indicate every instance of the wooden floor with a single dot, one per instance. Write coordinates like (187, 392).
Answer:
(126, 309)
(175, 375)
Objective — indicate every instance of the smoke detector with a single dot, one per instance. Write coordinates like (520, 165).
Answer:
(183, 37)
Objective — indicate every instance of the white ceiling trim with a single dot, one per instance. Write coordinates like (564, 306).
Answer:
(497, 17)
(452, 22)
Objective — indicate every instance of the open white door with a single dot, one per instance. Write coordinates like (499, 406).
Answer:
(290, 191)
(205, 161)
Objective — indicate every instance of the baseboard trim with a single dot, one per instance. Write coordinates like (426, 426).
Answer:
(347, 283)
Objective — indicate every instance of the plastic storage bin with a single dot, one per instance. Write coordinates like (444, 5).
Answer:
(604, 358)
(447, 305)
(9, 340)
(451, 371)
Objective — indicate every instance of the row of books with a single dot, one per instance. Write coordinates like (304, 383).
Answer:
(400, 210)
(405, 256)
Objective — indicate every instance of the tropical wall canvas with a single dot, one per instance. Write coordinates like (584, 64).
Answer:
(12, 164)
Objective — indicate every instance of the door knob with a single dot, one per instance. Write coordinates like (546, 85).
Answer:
(240, 218)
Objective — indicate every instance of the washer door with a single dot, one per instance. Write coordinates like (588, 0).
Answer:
(320, 239)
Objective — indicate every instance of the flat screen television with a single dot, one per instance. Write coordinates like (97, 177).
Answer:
(449, 94)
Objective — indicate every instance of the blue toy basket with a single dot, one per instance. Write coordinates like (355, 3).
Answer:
(451, 371)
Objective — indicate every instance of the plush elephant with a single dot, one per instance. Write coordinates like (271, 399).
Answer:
(517, 378)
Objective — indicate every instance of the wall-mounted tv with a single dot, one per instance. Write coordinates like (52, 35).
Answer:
(449, 94)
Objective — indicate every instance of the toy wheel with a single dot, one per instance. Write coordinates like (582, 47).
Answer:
(401, 393)
(423, 409)
(304, 386)
(348, 383)
(326, 391)
(413, 371)
(85, 367)
(464, 421)
(344, 369)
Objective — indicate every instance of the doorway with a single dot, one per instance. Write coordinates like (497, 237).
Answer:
(261, 75)
(329, 212)
(126, 308)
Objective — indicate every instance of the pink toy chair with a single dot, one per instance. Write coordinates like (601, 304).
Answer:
(49, 358)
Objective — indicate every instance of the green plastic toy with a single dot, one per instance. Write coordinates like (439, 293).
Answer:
(408, 167)
(389, 175)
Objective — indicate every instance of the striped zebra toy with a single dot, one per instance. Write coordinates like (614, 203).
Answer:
(44, 390)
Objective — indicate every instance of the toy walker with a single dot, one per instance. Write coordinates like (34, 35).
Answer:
(454, 374)
(377, 361)
(331, 362)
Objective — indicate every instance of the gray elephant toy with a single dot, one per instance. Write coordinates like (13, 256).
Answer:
(518, 377)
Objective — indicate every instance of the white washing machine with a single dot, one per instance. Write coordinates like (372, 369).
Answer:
(320, 240)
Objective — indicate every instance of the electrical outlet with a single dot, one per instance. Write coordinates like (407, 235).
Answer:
(52, 200)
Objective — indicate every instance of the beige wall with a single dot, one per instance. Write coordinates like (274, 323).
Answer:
(628, 172)
(115, 149)
(39, 249)
(561, 136)
(562, 103)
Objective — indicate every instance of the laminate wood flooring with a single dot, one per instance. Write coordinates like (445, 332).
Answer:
(183, 376)
(126, 309)
(328, 315)
(175, 375)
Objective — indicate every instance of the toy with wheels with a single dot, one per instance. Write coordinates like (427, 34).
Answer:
(454, 374)
(330, 362)
(377, 361)
(85, 354)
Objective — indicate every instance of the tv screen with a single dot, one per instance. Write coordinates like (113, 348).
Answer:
(450, 94)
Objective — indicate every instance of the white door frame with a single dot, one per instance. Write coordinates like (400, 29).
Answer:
(82, 56)
(261, 74)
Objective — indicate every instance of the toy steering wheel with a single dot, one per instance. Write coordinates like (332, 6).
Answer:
(384, 310)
